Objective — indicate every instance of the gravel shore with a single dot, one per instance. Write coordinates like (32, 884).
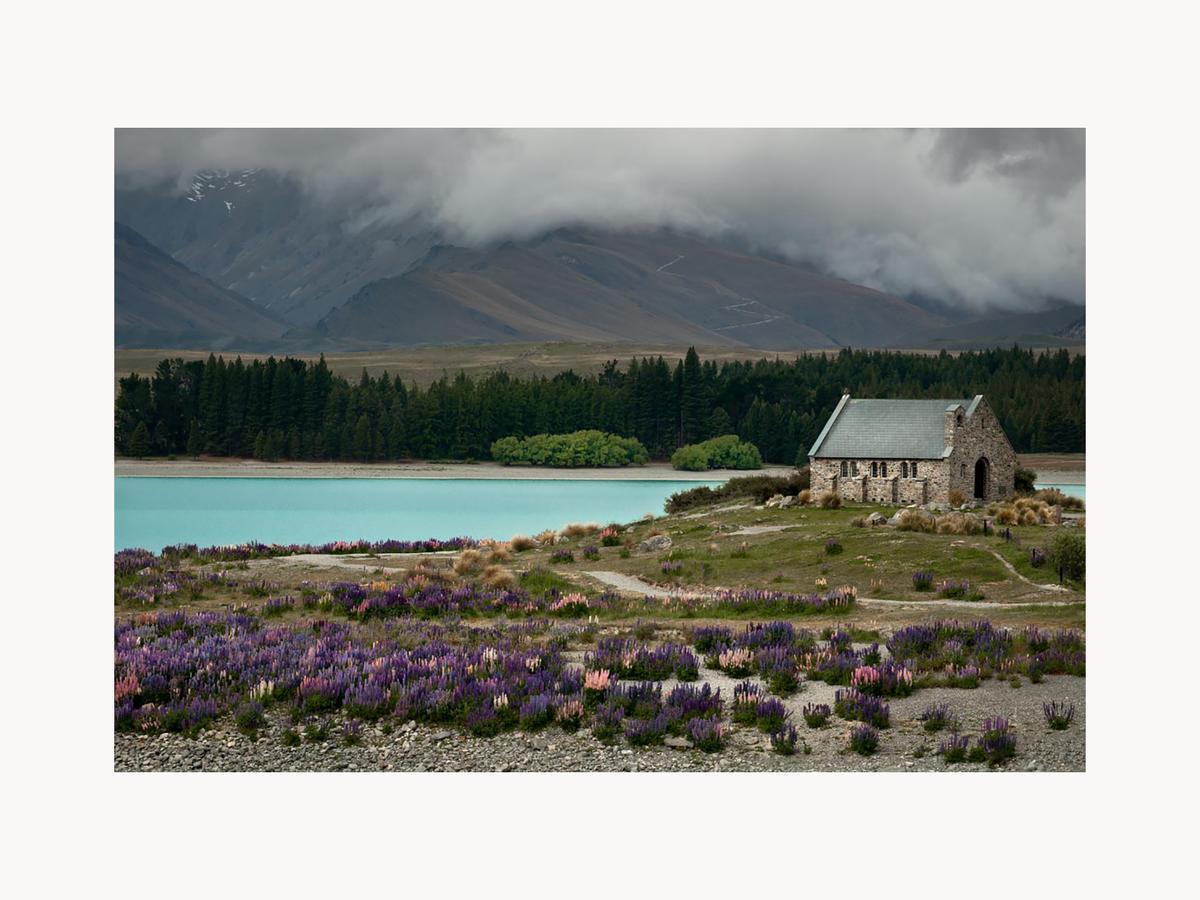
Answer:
(424, 748)
(250, 468)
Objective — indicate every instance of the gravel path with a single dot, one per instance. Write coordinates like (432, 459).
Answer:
(423, 748)
(631, 584)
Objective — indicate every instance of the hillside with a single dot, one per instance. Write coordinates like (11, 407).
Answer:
(161, 302)
(603, 286)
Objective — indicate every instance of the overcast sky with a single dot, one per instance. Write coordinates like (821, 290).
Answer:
(980, 218)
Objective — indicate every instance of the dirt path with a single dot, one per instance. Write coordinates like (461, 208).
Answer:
(631, 584)
(1054, 588)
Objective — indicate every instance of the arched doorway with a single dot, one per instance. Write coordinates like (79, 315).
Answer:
(981, 478)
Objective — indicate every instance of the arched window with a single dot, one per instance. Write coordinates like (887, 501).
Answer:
(874, 470)
(958, 419)
(962, 470)
(904, 470)
(914, 469)
(853, 467)
(845, 469)
(883, 470)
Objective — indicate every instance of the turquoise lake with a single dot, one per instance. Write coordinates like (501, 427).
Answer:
(155, 512)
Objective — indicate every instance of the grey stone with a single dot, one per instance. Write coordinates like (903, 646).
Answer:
(678, 743)
(655, 544)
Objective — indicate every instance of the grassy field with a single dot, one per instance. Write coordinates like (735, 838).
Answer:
(426, 364)
(733, 546)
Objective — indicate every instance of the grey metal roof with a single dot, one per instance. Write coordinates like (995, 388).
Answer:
(888, 429)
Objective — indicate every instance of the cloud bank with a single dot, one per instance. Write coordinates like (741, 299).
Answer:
(978, 218)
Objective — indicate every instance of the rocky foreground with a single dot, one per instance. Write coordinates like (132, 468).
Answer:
(410, 747)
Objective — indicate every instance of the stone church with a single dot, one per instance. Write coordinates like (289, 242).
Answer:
(912, 451)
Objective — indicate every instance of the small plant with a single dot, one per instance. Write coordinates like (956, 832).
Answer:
(707, 734)
(737, 663)
(742, 552)
(770, 715)
(562, 556)
(606, 724)
(833, 547)
(954, 749)
(920, 750)
(290, 738)
(1037, 557)
(816, 715)
(953, 590)
(671, 568)
(784, 741)
(610, 536)
(352, 732)
(644, 631)
(1014, 681)
(998, 743)
(592, 553)
(535, 712)
(746, 695)
(1058, 715)
(937, 716)
(250, 717)
(644, 732)
(853, 705)
(864, 739)
(922, 581)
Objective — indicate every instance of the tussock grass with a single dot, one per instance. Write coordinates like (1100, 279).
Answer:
(520, 543)
(498, 578)
(468, 562)
(580, 529)
(830, 500)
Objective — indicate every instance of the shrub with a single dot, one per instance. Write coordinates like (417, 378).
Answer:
(784, 741)
(830, 500)
(833, 547)
(579, 448)
(352, 732)
(592, 553)
(1023, 480)
(289, 738)
(816, 714)
(562, 556)
(725, 452)
(1037, 557)
(864, 739)
(1058, 715)
(922, 581)
(760, 488)
(956, 498)
(1067, 552)
(610, 536)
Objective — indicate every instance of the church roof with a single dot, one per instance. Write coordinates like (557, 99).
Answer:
(888, 429)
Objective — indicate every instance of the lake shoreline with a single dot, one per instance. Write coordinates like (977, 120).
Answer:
(249, 468)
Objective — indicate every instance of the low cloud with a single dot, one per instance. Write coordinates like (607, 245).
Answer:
(980, 218)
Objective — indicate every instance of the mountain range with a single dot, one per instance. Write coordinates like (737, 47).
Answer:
(247, 260)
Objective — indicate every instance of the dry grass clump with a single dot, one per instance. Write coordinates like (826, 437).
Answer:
(580, 529)
(499, 553)
(546, 538)
(804, 498)
(1055, 497)
(499, 579)
(859, 522)
(916, 520)
(520, 543)
(431, 573)
(957, 498)
(1026, 511)
(830, 500)
(959, 523)
(468, 561)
